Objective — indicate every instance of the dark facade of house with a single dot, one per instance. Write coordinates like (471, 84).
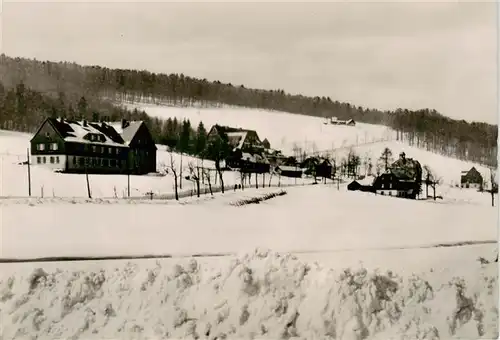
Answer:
(324, 169)
(392, 185)
(471, 179)
(142, 148)
(82, 146)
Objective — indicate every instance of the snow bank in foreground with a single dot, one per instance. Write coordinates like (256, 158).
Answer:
(261, 295)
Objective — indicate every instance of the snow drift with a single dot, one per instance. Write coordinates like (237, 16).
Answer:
(259, 295)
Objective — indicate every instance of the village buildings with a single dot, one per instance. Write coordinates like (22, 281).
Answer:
(94, 147)
(247, 150)
(402, 179)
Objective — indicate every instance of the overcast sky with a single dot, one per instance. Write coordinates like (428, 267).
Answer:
(381, 55)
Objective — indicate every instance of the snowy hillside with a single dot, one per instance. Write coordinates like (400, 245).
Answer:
(285, 130)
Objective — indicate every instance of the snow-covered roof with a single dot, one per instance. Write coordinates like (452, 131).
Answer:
(75, 131)
(128, 132)
(255, 158)
(368, 180)
(236, 139)
(288, 168)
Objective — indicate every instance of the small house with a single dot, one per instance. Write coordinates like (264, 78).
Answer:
(288, 171)
(471, 179)
(324, 169)
(354, 186)
(362, 184)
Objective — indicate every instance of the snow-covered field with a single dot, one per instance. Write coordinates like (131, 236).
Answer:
(309, 218)
(435, 290)
(343, 265)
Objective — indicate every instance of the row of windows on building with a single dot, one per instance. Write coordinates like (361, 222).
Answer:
(398, 193)
(82, 161)
(43, 159)
(97, 162)
(94, 148)
(52, 146)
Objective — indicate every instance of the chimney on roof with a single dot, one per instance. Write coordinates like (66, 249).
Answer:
(85, 122)
(125, 123)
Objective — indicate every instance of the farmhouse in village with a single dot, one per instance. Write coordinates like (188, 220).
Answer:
(403, 179)
(94, 147)
(471, 179)
(248, 151)
(239, 139)
(392, 185)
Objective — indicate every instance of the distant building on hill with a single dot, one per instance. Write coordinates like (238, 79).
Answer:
(336, 121)
(471, 179)
(94, 147)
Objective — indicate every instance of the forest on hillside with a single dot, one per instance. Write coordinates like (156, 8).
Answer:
(62, 85)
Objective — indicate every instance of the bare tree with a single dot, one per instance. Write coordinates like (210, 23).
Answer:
(431, 180)
(242, 178)
(206, 175)
(494, 186)
(194, 175)
(173, 167)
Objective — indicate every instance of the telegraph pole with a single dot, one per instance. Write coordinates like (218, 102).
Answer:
(29, 171)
